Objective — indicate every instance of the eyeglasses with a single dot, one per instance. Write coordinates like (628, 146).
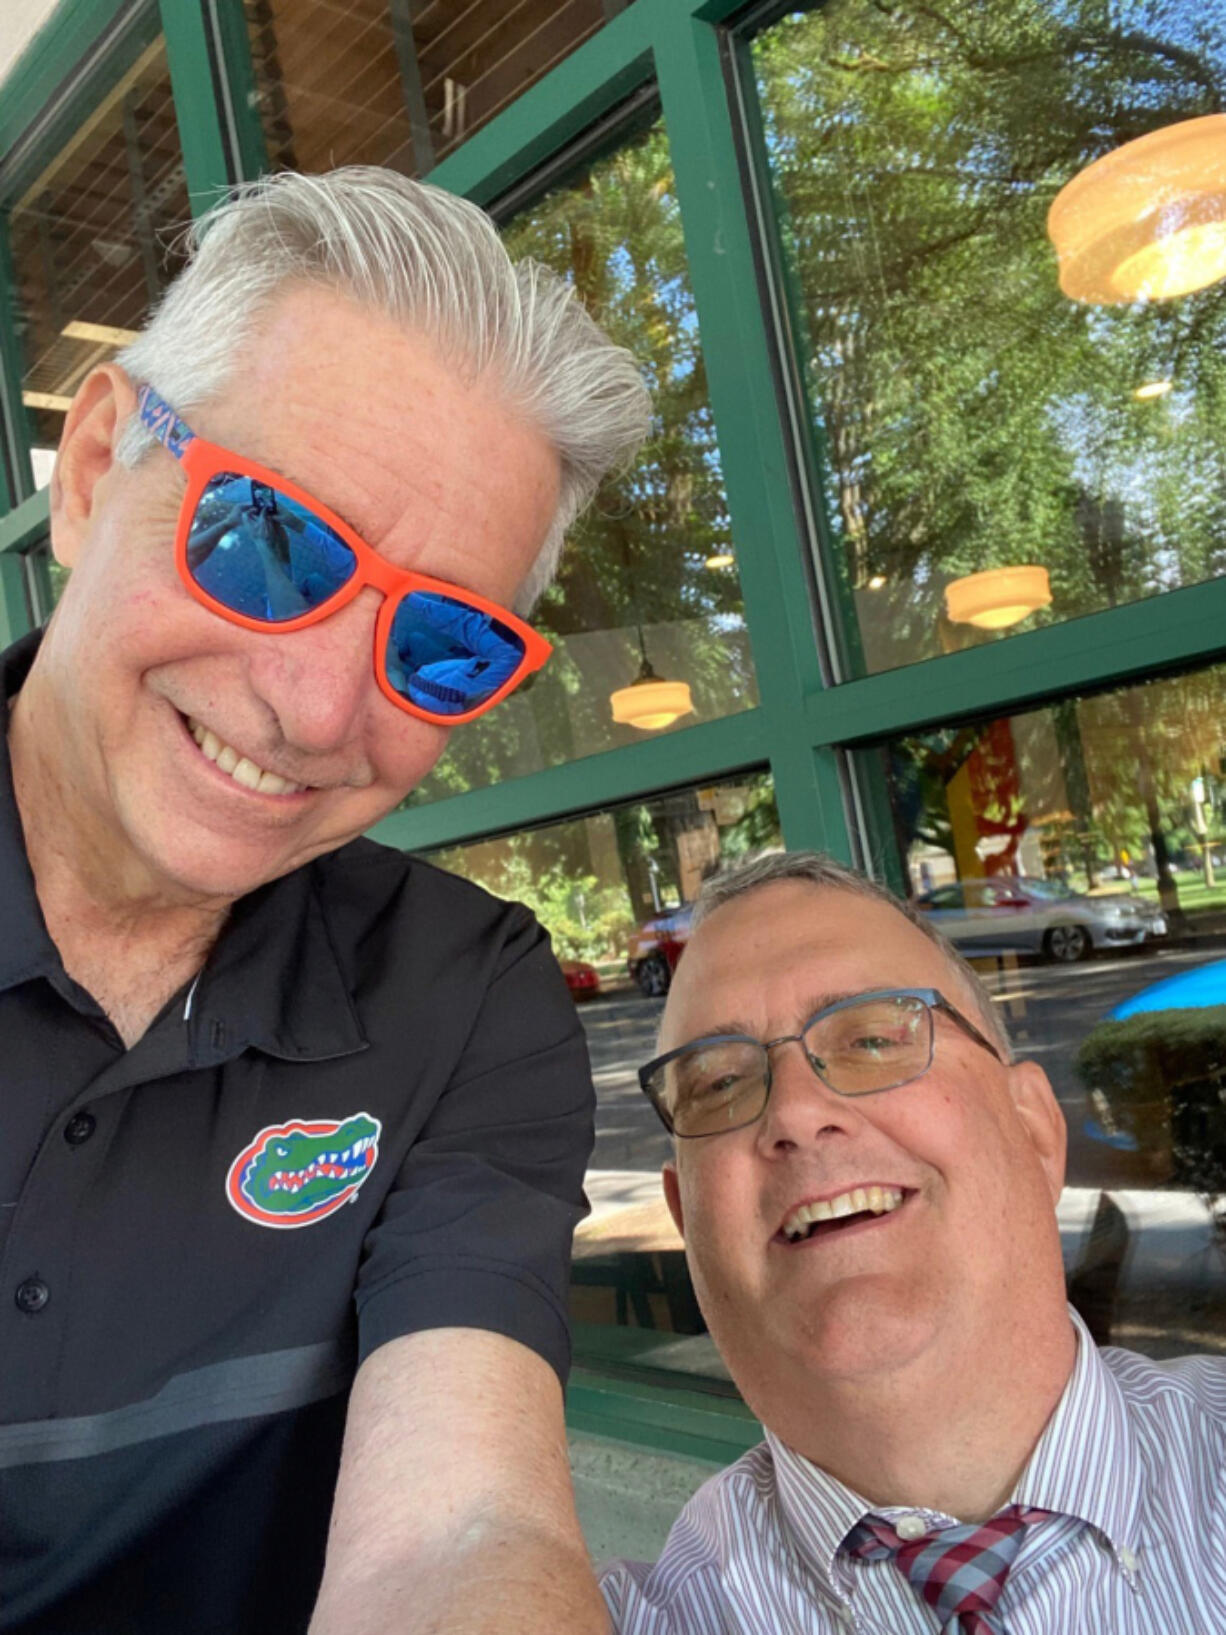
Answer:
(857, 1046)
(256, 549)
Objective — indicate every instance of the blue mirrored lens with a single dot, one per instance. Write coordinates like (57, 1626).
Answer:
(262, 554)
(446, 657)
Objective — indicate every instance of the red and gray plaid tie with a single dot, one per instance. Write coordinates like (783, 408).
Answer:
(959, 1571)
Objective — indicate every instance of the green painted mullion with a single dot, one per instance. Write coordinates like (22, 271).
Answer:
(774, 575)
(584, 86)
(49, 60)
(25, 523)
(202, 133)
(1176, 630)
(14, 606)
(700, 753)
(234, 43)
(16, 476)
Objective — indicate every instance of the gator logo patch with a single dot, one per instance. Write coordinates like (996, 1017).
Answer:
(296, 1174)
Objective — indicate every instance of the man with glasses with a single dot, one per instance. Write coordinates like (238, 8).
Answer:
(865, 1180)
(293, 1128)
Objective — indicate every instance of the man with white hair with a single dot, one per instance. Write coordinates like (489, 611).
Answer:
(293, 1128)
(865, 1180)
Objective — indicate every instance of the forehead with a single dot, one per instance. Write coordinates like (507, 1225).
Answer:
(765, 960)
(377, 421)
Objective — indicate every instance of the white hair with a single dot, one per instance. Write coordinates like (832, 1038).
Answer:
(818, 869)
(431, 261)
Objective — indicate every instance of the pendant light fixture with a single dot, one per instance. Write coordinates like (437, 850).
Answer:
(1146, 222)
(649, 702)
(998, 597)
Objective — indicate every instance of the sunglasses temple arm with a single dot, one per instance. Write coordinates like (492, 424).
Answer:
(159, 418)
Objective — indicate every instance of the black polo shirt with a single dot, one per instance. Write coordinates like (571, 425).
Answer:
(369, 1115)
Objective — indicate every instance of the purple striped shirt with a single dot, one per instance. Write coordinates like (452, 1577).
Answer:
(1133, 1461)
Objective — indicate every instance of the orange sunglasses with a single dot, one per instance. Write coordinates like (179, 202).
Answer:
(256, 549)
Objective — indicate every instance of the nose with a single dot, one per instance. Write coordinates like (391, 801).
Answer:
(320, 682)
(801, 1108)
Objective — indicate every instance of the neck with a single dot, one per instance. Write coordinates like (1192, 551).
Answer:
(947, 1433)
(98, 900)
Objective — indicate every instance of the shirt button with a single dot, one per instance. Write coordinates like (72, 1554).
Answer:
(32, 1295)
(79, 1128)
(1128, 1561)
(911, 1527)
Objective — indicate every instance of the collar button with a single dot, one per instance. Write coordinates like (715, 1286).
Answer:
(911, 1528)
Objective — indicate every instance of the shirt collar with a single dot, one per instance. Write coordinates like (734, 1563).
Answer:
(273, 980)
(1086, 1464)
(26, 949)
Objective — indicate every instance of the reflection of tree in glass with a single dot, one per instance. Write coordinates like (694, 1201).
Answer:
(972, 416)
(1107, 778)
(639, 555)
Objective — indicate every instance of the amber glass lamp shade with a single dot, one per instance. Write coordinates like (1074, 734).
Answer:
(998, 597)
(1146, 222)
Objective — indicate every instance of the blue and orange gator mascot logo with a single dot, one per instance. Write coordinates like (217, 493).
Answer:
(298, 1173)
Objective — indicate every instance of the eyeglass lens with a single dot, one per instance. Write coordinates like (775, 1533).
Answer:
(446, 656)
(261, 554)
(875, 1045)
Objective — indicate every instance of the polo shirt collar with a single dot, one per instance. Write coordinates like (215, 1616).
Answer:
(1086, 1464)
(26, 949)
(272, 981)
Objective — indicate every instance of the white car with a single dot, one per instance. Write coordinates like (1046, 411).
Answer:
(1016, 915)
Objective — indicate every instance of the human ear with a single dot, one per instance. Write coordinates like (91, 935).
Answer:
(99, 412)
(672, 1195)
(1039, 1111)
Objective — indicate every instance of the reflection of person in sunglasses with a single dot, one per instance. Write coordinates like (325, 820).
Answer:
(294, 1127)
(453, 662)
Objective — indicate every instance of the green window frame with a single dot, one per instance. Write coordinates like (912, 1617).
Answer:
(693, 54)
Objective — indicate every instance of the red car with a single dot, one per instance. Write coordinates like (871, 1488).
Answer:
(582, 979)
(656, 947)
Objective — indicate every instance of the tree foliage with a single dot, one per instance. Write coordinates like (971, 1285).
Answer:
(969, 414)
(637, 559)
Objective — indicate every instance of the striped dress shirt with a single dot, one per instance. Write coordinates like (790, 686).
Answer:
(1132, 1461)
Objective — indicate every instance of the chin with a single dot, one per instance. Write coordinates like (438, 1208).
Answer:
(862, 1329)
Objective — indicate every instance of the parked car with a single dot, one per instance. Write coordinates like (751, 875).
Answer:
(1012, 914)
(655, 947)
(582, 979)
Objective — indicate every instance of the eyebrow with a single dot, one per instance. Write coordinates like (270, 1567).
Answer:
(817, 1002)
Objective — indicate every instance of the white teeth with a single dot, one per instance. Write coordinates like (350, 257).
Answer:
(877, 1199)
(242, 770)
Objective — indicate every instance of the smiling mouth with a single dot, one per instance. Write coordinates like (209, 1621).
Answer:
(239, 768)
(827, 1216)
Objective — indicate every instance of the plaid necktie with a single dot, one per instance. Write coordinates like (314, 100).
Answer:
(959, 1571)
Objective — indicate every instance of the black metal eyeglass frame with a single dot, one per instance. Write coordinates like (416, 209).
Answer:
(931, 998)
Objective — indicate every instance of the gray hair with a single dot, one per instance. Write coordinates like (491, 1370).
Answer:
(431, 261)
(818, 869)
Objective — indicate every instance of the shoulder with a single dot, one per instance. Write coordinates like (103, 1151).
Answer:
(729, 1521)
(374, 893)
(381, 875)
(1177, 1402)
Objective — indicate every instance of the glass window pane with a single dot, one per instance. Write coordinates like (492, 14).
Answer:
(649, 574)
(972, 418)
(92, 242)
(389, 82)
(613, 889)
(1090, 841)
